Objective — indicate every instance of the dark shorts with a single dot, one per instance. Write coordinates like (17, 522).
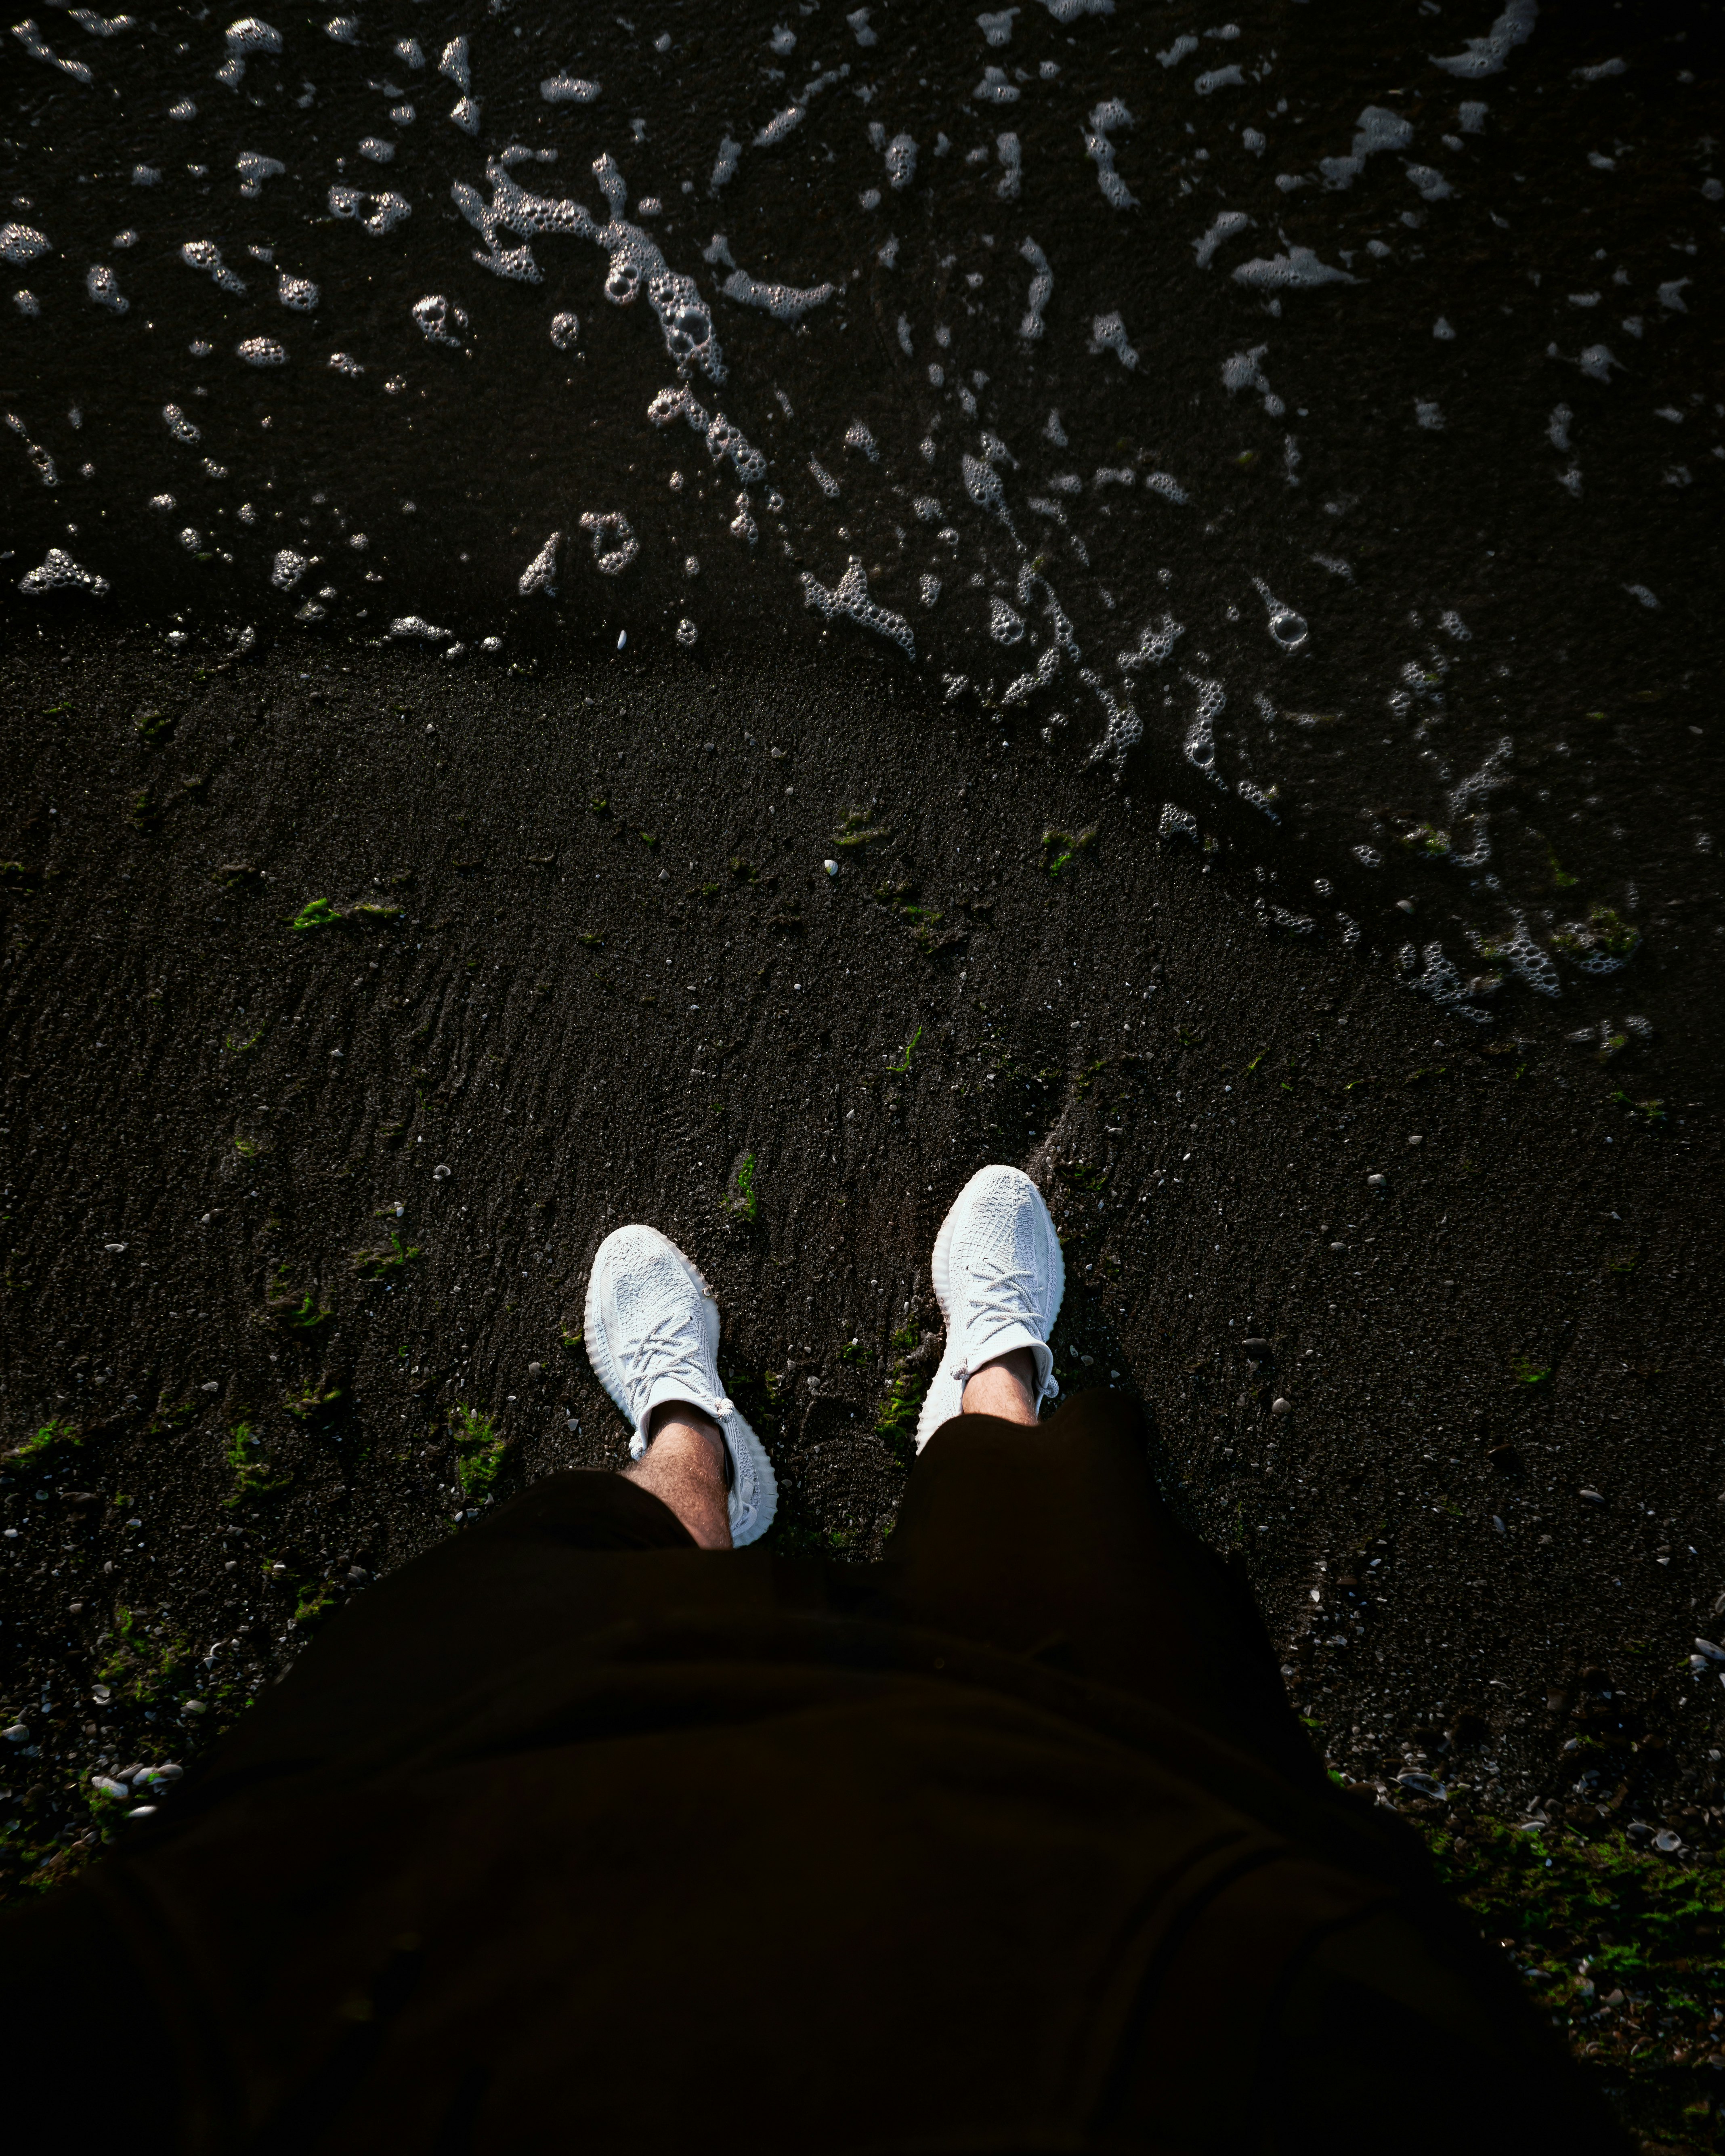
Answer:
(570, 1828)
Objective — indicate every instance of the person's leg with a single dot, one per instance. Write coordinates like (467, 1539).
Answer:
(1005, 1388)
(1051, 1539)
(684, 1467)
(573, 1554)
(653, 1339)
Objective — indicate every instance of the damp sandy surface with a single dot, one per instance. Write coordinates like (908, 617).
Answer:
(282, 1201)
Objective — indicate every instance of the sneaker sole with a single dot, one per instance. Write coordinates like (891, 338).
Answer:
(738, 1434)
(941, 1272)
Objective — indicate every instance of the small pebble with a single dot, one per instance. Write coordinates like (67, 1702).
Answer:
(1257, 1349)
(1592, 1497)
(621, 638)
(17, 1734)
(439, 1171)
(1416, 1139)
(535, 1368)
(831, 867)
(1280, 1407)
(1376, 1182)
(1706, 1647)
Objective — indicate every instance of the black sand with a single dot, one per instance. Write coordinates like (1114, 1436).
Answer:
(610, 977)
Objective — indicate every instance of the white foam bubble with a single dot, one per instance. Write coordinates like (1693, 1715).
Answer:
(36, 46)
(636, 261)
(440, 320)
(179, 426)
(407, 51)
(722, 439)
(344, 362)
(182, 109)
(725, 164)
(1108, 333)
(997, 27)
(204, 255)
(1299, 266)
(1378, 128)
(858, 18)
(1288, 630)
(1166, 485)
(1227, 223)
(1486, 55)
(850, 598)
(565, 329)
(103, 286)
(146, 176)
(379, 152)
(565, 89)
(1156, 642)
(387, 211)
(413, 625)
(287, 569)
(1427, 414)
(994, 89)
(60, 573)
(261, 351)
(1105, 118)
(1042, 285)
(1431, 183)
(41, 461)
(455, 64)
(299, 293)
(1641, 593)
(1199, 745)
(1525, 956)
(928, 588)
(1242, 370)
(785, 303)
(540, 574)
(253, 168)
(857, 436)
(1597, 362)
(1176, 822)
(465, 114)
(1182, 47)
(21, 243)
(1215, 79)
(615, 545)
(1069, 11)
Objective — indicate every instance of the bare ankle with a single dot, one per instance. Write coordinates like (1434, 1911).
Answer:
(1005, 1388)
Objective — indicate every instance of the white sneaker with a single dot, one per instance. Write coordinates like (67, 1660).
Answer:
(652, 1335)
(998, 1277)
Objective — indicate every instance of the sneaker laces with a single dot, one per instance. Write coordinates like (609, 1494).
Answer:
(672, 1346)
(1006, 1296)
